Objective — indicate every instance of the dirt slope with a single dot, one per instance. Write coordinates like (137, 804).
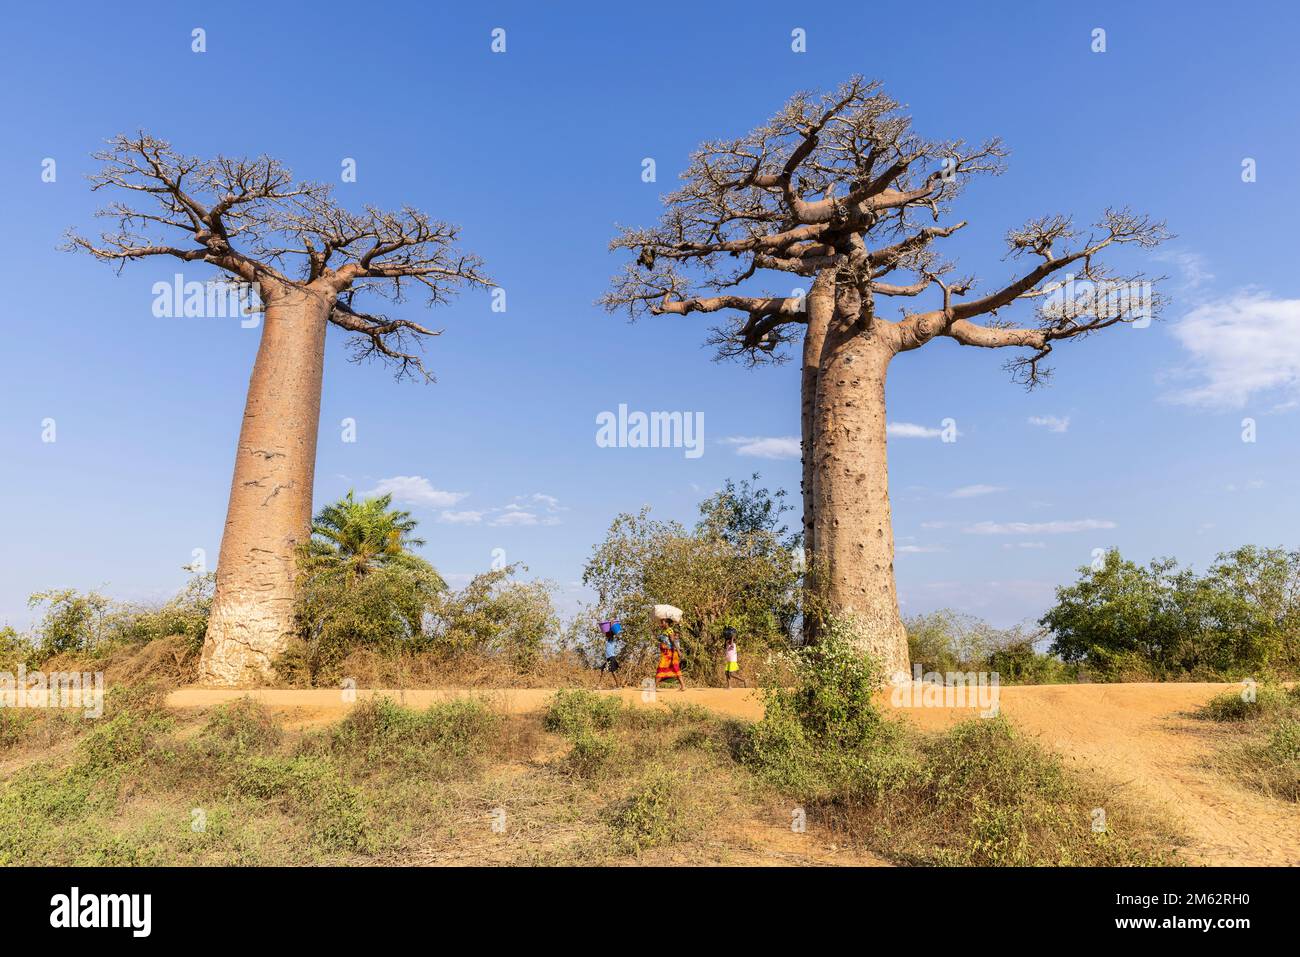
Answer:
(1136, 734)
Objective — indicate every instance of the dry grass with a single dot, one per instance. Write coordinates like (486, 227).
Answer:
(1257, 739)
(588, 782)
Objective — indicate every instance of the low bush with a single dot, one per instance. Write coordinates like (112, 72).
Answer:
(1251, 704)
(977, 794)
(573, 710)
(651, 816)
(378, 733)
(592, 755)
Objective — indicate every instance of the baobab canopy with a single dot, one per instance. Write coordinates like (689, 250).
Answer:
(838, 190)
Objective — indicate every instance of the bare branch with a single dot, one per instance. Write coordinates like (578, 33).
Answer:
(250, 218)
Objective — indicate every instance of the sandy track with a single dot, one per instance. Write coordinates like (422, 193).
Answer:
(1138, 735)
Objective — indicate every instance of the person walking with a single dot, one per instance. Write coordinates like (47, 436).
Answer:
(613, 646)
(731, 658)
(670, 656)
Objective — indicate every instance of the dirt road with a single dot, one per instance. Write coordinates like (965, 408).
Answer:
(1136, 734)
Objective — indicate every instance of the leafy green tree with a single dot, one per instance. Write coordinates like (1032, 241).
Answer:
(494, 615)
(359, 586)
(357, 537)
(1124, 620)
(72, 621)
(736, 567)
(15, 649)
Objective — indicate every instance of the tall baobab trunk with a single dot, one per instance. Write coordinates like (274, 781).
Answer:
(854, 535)
(820, 305)
(271, 493)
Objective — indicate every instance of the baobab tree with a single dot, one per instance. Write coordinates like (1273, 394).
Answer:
(840, 192)
(308, 259)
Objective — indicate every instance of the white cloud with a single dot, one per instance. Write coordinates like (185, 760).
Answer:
(971, 491)
(1051, 422)
(766, 447)
(515, 517)
(547, 503)
(535, 509)
(934, 524)
(1037, 528)
(1240, 347)
(414, 490)
(910, 430)
(1191, 266)
(920, 549)
(1245, 486)
(1025, 545)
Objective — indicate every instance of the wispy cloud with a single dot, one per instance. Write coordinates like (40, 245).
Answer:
(920, 549)
(538, 502)
(1250, 486)
(1193, 270)
(415, 490)
(515, 517)
(1024, 545)
(1038, 528)
(528, 510)
(766, 446)
(911, 430)
(973, 491)
(1050, 422)
(1240, 348)
(537, 508)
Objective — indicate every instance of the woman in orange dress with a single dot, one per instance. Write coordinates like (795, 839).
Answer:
(670, 658)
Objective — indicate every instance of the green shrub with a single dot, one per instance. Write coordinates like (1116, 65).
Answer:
(241, 726)
(124, 738)
(13, 727)
(592, 754)
(1279, 761)
(977, 794)
(15, 650)
(379, 733)
(92, 623)
(1235, 706)
(573, 710)
(496, 616)
(833, 697)
(822, 735)
(652, 816)
(1126, 622)
(946, 641)
(312, 788)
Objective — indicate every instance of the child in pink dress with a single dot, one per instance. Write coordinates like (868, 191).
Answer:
(733, 664)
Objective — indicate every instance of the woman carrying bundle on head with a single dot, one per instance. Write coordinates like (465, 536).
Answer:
(670, 656)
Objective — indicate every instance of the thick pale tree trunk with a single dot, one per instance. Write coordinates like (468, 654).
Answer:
(853, 534)
(820, 306)
(271, 493)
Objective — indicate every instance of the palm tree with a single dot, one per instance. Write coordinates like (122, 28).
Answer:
(355, 538)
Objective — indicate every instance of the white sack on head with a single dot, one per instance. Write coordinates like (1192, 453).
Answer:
(671, 612)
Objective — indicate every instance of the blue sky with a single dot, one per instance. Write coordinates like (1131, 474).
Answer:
(537, 153)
